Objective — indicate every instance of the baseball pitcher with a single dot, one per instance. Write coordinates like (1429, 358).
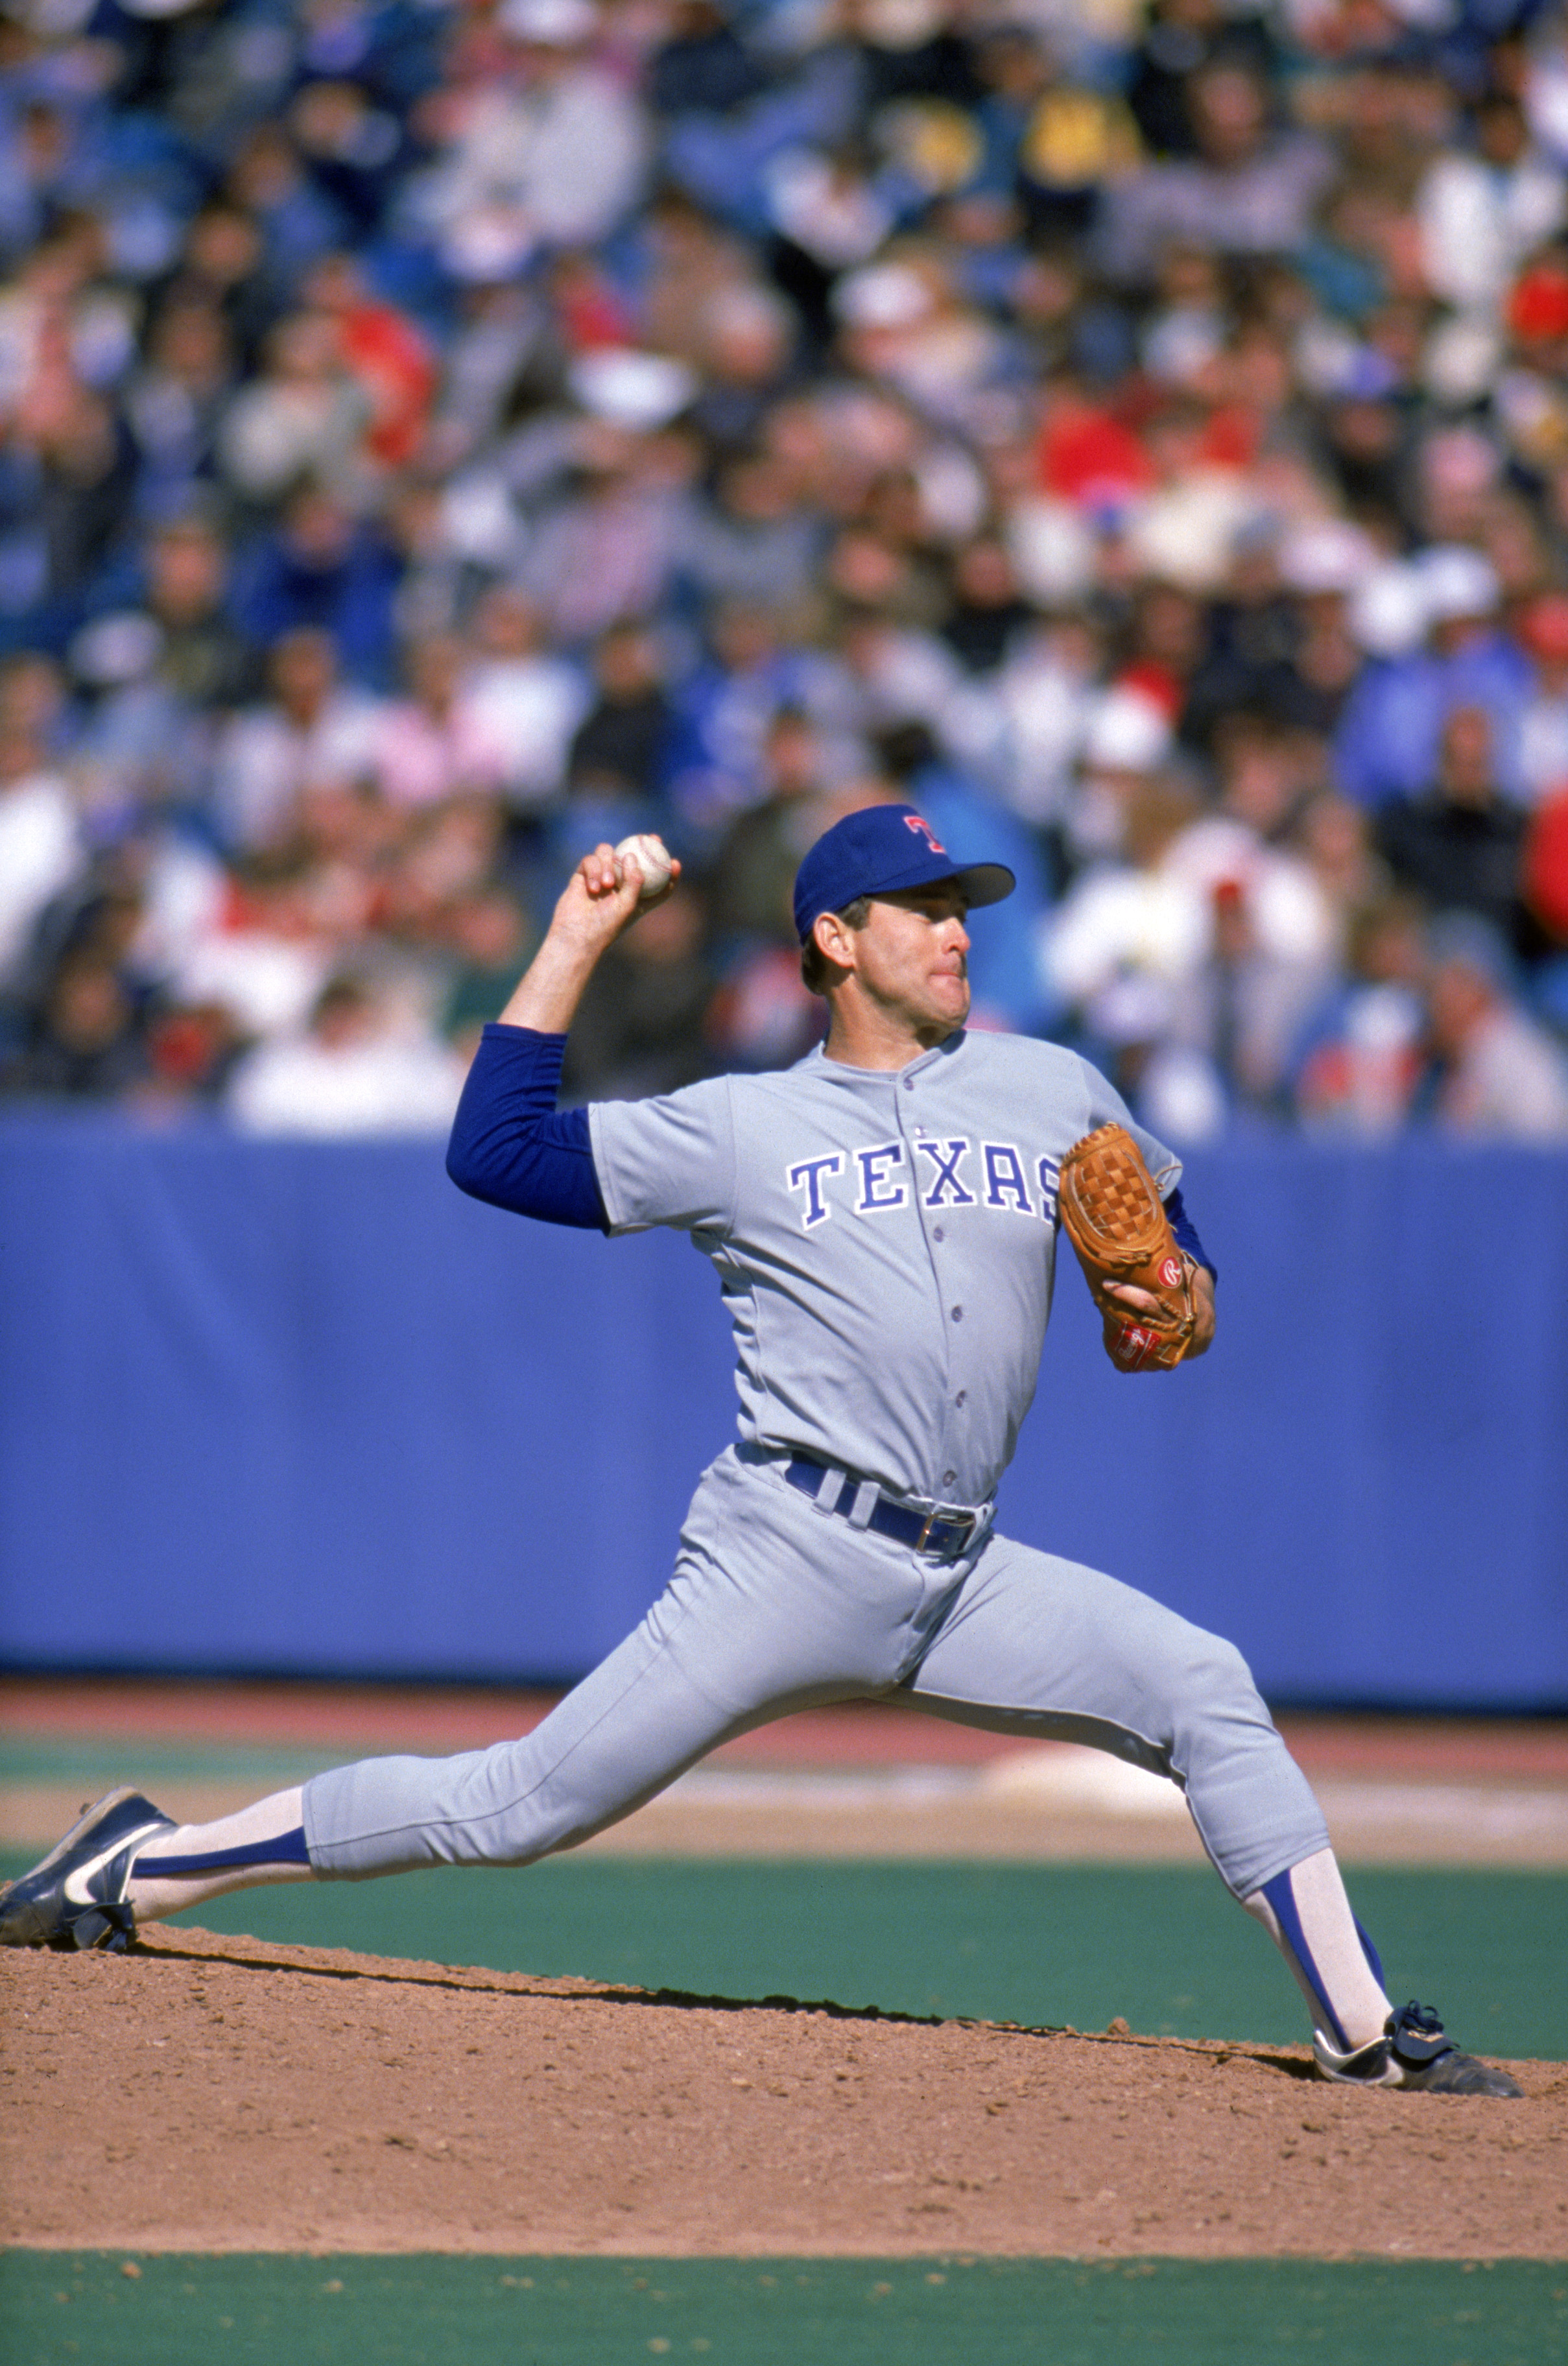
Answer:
(883, 1219)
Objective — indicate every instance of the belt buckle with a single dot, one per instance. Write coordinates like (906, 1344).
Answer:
(966, 1521)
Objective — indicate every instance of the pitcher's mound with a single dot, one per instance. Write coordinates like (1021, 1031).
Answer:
(207, 2094)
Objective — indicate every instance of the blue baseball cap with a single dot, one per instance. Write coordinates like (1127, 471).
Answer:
(879, 851)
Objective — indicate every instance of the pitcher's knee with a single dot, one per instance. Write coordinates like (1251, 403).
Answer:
(1215, 1686)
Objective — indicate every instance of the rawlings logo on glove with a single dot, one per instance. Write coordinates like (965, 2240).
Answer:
(1116, 1221)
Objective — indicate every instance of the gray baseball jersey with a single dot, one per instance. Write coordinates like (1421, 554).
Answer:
(885, 1243)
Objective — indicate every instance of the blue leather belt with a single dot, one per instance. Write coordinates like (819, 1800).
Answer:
(946, 1536)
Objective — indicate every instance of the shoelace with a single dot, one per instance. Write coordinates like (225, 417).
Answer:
(1417, 2032)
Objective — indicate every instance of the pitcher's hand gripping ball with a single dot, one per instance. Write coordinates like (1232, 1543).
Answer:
(1116, 1221)
(653, 859)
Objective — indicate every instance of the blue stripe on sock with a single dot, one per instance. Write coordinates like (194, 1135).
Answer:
(1371, 1954)
(287, 1848)
(1282, 1898)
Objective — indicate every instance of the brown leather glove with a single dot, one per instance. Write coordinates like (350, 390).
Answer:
(1114, 1219)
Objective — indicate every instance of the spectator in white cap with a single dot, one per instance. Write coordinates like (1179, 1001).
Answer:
(1127, 742)
(1388, 739)
(1323, 566)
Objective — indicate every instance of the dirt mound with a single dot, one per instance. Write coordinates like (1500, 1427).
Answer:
(206, 2093)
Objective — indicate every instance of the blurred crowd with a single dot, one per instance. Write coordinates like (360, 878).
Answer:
(438, 436)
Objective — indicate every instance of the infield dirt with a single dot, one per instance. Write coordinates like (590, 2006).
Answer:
(208, 2093)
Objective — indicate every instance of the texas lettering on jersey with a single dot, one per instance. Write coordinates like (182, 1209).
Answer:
(954, 1172)
(867, 1222)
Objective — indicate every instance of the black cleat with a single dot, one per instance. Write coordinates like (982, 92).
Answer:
(75, 1897)
(1415, 2055)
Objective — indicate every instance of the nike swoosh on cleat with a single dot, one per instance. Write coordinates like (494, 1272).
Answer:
(87, 1872)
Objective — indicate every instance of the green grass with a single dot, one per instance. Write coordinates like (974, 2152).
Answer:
(435, 2311)
(94, 1767)
(1061, 1944)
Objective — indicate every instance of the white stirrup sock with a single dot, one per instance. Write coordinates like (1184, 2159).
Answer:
(1308, 1915)
(262, 1843)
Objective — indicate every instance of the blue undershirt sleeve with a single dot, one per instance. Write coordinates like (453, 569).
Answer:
(510, 1143)
(1186, 1233)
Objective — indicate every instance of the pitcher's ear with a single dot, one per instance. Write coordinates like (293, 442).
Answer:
(832, 939)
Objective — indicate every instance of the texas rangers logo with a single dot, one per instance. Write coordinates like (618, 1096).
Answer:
(923, 830)
(959, 1174)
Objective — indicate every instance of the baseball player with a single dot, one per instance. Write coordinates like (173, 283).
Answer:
(882, 1221)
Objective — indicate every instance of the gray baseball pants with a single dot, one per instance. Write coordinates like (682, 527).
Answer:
(775, 1606)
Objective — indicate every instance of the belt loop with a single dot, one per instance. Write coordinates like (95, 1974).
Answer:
(867, 1497)
(829, 1487)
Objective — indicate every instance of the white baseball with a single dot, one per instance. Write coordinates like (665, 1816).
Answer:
(653, 859)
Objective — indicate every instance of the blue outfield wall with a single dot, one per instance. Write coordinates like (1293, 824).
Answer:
(302, 1407)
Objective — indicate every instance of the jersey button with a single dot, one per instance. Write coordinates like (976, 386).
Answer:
(960, 1398)
(908, 1083)
(958, 1314)
(937, 1232)
(948, 1477)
